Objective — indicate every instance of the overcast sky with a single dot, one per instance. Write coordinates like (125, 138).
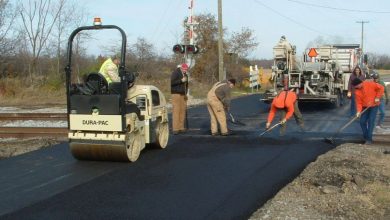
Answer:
(301, 21)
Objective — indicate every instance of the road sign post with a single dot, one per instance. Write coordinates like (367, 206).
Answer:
(254, 77)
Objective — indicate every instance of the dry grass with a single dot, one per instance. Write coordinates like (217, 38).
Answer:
(384, 72)
(17, 92)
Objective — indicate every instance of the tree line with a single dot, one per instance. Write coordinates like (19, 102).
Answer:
(34, 34)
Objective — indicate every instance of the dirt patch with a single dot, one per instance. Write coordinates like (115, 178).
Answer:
(12, 146)
(349, 182)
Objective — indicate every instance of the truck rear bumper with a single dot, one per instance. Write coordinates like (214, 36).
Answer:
(267, 98)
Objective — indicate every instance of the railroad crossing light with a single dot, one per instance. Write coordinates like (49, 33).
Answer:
(178, 48)
(192, 49)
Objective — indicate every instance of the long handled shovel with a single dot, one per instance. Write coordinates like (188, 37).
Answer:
(331, 140)
(269, 129)
(234, 121)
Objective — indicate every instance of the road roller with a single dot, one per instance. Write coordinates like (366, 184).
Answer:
(112, 121)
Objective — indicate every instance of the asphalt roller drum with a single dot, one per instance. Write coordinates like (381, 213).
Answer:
(128, 150)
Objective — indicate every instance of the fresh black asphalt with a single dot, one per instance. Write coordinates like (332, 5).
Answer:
(196, 177)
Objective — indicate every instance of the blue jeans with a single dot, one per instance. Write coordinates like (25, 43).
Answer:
(367, 122)
(382, 111)
(353, 105)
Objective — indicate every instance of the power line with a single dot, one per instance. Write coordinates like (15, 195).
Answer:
(339, 9)
(290, 19)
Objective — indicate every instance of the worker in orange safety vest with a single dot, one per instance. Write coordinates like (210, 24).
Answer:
(287, 101)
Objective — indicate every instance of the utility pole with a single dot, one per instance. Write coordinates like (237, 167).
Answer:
(362, 22)
(221, 75)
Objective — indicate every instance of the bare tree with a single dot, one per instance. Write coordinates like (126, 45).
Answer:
(206, 68)
(38, 19)
(144, 51)
(242, 43)
(7, 46)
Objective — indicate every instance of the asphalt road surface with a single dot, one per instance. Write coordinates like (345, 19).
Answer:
(196, 177)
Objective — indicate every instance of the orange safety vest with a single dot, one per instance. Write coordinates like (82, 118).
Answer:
(365, 96)
(284, 100)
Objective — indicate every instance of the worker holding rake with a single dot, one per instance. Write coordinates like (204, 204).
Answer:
(287, 102)
(367, 95)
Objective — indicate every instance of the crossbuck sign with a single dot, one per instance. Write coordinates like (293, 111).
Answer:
(254, 77)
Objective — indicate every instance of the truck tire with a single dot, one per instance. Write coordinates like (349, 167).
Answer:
(337, 102)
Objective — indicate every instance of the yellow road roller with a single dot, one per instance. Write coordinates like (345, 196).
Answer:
(113, 121)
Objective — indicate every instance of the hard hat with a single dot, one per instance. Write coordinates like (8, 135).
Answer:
(184, 66)
(356, 81)
(374, 75)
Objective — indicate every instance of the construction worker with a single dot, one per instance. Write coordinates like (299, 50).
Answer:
(218, 103)
(286, 100)
(367, 95)
(179, 89)
(383, 101)
(109, 70)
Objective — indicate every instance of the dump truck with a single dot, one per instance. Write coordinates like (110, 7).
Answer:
(321, 76)
(112, 121)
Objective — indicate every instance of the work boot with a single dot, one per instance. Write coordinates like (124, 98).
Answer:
(368, 143)
(302, 127)
(214, 133)
(227, 133)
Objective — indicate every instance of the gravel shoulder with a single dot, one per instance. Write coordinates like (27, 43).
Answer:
(350, 182)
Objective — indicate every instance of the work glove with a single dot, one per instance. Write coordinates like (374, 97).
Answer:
(283, 121)
(387, 101)
(376, 100)
(358, 114)
(267, 125)
(184, 79)
(349, 94)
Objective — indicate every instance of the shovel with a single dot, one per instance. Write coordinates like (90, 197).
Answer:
(331, 140)
(269, 129)
(234, 121)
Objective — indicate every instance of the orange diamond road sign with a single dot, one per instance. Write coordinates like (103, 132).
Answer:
(312, 52)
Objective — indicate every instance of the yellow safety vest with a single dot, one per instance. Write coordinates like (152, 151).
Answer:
(106, 66)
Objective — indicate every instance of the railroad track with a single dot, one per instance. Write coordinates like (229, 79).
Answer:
(23, 132)
(33, 116)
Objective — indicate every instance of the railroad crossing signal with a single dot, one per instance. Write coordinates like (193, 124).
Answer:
(312, 52)
(190, 49)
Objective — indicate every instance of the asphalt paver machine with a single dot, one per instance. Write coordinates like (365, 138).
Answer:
(112, 121)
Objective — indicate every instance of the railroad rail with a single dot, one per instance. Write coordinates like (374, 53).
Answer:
(23, 132)
(33, 116)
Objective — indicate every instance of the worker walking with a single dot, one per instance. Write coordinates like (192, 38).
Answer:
(179, 89)
(367, 95)
(109, 70)
(218, 103)
(356, 73)
(383, 101)
(287, 102)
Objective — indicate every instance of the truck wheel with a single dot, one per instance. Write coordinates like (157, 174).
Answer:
(162, 134)
(134, 145)
(337, 102)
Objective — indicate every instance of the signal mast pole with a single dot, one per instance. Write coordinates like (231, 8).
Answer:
(190, 23)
